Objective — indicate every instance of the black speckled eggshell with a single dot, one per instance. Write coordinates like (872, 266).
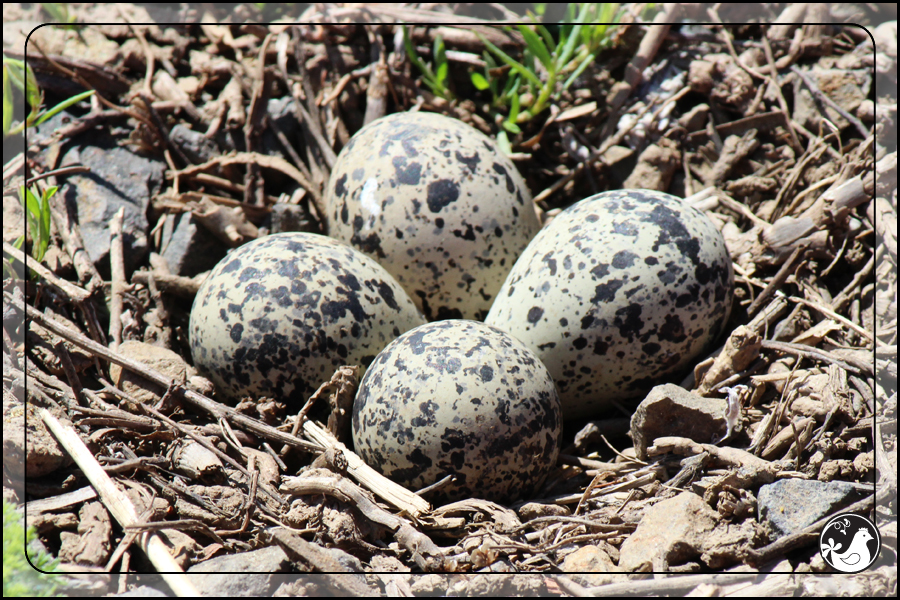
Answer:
(618, 292)
(461, 398)
(278, 315)
(438, 204)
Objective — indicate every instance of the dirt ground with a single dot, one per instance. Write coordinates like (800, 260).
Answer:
(776, 121)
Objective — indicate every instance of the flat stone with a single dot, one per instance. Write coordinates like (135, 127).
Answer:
(118, 178)
(670, 533)
(188, 247)
(29, 449)
(194, 144)
(281, 114)
(533, 510)
(162, 359)
(670, 410)
(591, 565)
(790, 505)
(217, 576)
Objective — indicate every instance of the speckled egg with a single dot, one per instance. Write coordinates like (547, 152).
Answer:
(278, 315)
(617, 293)
(437, 204)
(459, 398)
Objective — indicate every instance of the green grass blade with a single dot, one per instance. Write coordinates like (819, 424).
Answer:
(564, 34)
(45, 219)
(440, 56)
(64, 105)
(7, 102)
(573, 38)
(16, 72)
(578, 71)
(411, 53)
(503, 142)
(29, 204)
(490, 63)
(21, 579)
(534, 43)
(58, 12)
(514, 109)
(32, 206)
(516, 66)
(32, 93)
(511, 127)
(479, 81)
(431, 80)
(548, 39)
(511, 89)
(441, 75)
(441, 67)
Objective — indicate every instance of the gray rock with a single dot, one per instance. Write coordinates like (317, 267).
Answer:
(13, 318)
(196, 146)
(789, 505)
(670, 410)
(118, 178)
(281, 111)
(217, 576)
(281, 114)
(188, 247)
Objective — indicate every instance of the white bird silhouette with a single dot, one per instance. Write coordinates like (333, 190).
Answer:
(855, 557)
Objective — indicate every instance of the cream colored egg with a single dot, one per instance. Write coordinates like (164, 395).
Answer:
(620, 291)
(437, 204)
(459, 398)
(278, 315)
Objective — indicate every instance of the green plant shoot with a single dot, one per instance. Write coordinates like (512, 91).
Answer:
(548, 66)
(435, 79)
(37, 214)
(19, 75)
(19, 578)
